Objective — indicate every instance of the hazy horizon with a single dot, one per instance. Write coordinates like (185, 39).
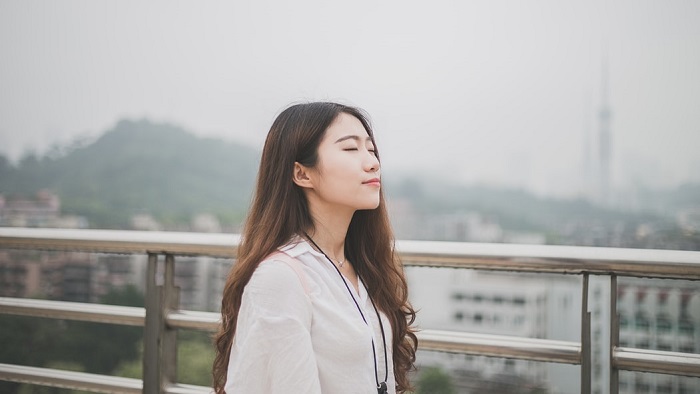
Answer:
(501, 93)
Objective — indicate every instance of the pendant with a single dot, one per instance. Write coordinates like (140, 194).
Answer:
(381, 389)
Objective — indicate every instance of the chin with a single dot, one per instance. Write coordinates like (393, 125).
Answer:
(370, 206)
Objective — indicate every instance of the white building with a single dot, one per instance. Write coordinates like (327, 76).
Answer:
(530, 306)
(656, 314)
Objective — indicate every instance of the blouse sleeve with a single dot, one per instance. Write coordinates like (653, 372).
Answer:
(272, 350)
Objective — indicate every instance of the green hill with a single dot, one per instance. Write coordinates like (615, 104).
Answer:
(163, 170)
(141, 167)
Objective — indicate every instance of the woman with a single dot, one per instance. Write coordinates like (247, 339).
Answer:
(317, 301)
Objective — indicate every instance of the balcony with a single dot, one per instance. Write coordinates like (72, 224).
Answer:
(162, 316)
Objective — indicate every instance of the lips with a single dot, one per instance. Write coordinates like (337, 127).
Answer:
(373, 181)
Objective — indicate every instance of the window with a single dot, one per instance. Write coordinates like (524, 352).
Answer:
(685, 326)
(641, 295)
(624, 322)
(620, 292)
(642, 387)
(510, 365)
(519, 320)
(641, 321)
(663, 323)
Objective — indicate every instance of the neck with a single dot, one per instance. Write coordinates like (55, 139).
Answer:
(330, 229)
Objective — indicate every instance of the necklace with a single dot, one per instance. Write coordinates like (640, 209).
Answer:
(340, 263)
(381, 387)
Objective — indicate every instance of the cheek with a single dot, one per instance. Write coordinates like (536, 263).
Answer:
(337, 168)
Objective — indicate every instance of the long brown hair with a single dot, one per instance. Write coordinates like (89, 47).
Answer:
(279, 211)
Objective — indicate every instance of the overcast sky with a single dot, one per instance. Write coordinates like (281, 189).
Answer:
(498, 92)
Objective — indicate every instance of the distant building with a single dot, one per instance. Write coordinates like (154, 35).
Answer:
(39, 211)
(689, 219)
(206, 223)
(656, 315)
(520, 305)
(145, 222)
(200, 280)
(62, 276)
(67, 276)
(18, 277)
(43, 210)
(116, 271)
(456, 227)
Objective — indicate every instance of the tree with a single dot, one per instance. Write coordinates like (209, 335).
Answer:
(434, 380)
(195, 357)
(74, 345)
(101, 347)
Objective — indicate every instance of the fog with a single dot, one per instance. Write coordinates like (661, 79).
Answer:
(505, 93)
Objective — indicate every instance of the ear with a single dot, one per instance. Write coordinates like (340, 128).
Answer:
(301, 176)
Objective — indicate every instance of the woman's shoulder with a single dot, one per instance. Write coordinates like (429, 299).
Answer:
(281, 258)
(294, 260)
(275, 289)
(282, 270)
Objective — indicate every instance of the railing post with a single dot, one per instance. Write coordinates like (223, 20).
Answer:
(585, 339)
(169, 342)
(614, 336)
(152, 330)
(160, 341)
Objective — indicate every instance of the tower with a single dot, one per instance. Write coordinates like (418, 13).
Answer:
(604, 141)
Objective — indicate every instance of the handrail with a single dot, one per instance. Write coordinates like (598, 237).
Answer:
(437, 340)
(98, 313)
(546, 350)
(120, 241)
(87, 381)
(165, 317)
(657, 361)
(558, 259)
(70, 379)
(656, 263)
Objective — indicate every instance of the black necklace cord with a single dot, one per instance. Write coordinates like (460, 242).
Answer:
(381, 387)
(381, 328)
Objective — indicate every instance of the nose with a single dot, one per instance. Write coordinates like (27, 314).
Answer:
(371, 163)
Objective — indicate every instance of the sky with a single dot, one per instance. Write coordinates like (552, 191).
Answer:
(503, 93)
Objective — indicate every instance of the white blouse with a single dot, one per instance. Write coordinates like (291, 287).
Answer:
(295, 340)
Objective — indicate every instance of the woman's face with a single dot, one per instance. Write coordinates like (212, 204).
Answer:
(347, 172)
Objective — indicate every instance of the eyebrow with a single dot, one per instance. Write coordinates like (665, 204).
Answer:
(352, 137)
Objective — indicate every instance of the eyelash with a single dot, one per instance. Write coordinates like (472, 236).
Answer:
(373, 151)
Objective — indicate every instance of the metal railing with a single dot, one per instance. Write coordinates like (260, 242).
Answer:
(161, 318)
